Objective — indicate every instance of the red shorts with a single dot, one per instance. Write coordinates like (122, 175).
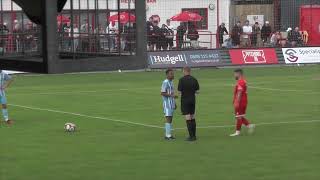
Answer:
(240, 111)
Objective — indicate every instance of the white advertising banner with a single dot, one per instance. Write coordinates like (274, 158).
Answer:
(301, 55)
(256, 18)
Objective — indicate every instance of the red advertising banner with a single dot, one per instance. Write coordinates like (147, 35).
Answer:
(253, 56)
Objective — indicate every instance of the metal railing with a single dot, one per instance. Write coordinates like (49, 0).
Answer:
(15, 44)
(100, 44)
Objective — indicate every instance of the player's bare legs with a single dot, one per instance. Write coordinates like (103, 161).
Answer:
(6, 114)
(241, 120)
(168, 128)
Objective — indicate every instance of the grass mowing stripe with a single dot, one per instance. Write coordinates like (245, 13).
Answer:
(155, 126)
(258, 124)
(153, 88)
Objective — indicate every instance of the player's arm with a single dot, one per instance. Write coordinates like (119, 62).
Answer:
(165, 94)
(8, 80)
(238, 98)
(197, 87)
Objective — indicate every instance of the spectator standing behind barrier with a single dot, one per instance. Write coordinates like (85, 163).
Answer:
(295, 38)
(17, 35)
(111, 33)
(247, 32)
(274, 41)
(66, 37)
(220, 32)
(84, 42)
(156, 41)
(4, 31)
(193, 35)
(277, 40)
(235, 34)
(150, 31)
(163, 38)
(29, 37)
(181, 30)
(85, 30)
(255, 34)
(169, 34)
(75, 37)
(130, 37)
(101, 39)
(266, 33)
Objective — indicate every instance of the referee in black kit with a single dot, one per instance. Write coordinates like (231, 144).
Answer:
(189, 87)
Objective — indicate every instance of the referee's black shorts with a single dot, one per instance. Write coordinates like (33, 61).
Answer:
(188, 106)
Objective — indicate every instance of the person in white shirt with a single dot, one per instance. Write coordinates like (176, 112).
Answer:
(169, 34)
(76, 34)
(111, 31)
(247, 31)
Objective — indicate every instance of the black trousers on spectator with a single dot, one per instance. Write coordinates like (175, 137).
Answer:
(254, 40)
(180, 43)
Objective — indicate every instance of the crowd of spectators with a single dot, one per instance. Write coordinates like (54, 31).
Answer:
(114, 37)
(162, 37)
(86, 38)
(258, 36)
(19, 37)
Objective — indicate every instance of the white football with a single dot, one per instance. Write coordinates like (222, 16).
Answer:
(70, 127)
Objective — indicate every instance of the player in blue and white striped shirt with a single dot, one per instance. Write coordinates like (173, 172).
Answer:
(169, 104)
(5, 81)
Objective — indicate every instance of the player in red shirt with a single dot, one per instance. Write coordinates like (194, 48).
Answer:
(240, 102)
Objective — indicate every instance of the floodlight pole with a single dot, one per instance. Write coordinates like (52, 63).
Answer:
(141, 30)
(49, 36)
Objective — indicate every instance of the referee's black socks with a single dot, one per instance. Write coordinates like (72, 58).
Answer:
(194, 127)
(189, 126)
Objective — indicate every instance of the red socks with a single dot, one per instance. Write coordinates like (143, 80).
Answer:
(239, 124)
(245, 122)
(241, 121)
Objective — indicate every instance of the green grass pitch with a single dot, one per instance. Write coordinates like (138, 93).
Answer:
(112, 143)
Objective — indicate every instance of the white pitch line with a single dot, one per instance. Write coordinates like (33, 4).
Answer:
(258, 124)
(150, 88)
(87, 116)
(283, 90)
(155, 126)
(80, 92)
(93, 91)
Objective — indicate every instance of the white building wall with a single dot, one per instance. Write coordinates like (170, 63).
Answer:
(6, 6)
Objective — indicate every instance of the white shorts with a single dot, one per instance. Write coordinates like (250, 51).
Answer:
(168, 112)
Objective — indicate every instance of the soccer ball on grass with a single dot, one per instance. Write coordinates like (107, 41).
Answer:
(70, 127)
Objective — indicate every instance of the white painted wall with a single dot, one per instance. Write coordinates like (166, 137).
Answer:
(6, 5)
